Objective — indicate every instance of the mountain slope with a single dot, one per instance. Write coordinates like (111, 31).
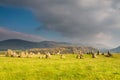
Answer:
(117, 49)
(16, 44)
(22, 44)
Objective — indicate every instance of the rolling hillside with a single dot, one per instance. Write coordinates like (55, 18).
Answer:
(22, 44)
(117, 49)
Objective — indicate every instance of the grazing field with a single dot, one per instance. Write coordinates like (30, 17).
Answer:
(69, 68)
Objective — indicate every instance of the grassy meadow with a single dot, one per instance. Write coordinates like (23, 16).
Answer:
(70, 68)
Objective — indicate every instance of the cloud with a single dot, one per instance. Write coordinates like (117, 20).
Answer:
(79, 20)
(8, 34)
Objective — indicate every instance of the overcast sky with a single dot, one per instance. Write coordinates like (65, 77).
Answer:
(75, 21)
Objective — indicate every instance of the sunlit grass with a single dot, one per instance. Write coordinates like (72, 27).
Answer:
(70, 68)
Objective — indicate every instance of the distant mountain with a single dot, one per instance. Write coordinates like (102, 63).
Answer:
(22, 44)
(117, 49)
(99, 46)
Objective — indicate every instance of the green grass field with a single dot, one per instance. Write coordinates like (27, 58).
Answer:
(70, 68)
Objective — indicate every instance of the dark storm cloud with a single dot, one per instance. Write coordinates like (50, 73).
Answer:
(81, 20)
